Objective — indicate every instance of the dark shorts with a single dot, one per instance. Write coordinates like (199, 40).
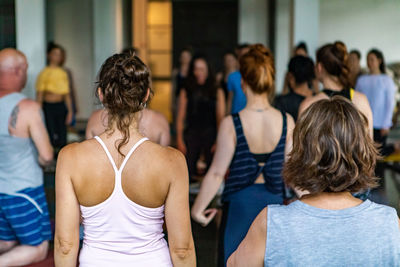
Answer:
(24, 217)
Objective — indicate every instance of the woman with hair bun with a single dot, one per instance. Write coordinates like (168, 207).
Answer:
(332, 71)
(252, 144)
(122, 185)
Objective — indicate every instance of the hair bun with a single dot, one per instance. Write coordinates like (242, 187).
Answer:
(339, 49)
(257, 69)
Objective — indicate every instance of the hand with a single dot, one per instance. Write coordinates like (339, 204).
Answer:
(213, 148)
(205, 217)
(181, 145)
(384, 132)
(68, 119)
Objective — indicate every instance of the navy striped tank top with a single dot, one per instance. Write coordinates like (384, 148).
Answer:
(244, 168)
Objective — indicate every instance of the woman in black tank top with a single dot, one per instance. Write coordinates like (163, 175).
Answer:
(333, 72)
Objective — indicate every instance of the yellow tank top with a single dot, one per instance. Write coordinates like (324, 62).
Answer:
(53, 80)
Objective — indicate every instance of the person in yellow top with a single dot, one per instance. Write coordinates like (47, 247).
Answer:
(53, 94)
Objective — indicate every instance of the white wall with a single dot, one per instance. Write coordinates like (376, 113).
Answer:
(282, 41)
(69, 23)
(253, 21)
(362, 24)
(30, 31)
(108, 30)
(90, 31)
(306, 24)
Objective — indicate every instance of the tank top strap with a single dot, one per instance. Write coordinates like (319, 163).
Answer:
(121, 168)
(238, 129)
(135, 146)
(107, 153)
(284, 128)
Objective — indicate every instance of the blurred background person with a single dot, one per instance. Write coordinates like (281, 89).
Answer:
(53, 95)
(152, 124)
(25, 228)
(299, 50)
(328, 226)
(333, 72)
(236, 98)
(134, 184)
(300, 75)
(231, 65)
(355, 70)
(252, 144)
(380, 91)
(201, 108)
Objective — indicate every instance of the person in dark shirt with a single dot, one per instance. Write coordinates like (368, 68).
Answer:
(201, 107)
(301, 74)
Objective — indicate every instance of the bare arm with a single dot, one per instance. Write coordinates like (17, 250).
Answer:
(68, 103)
(180, 120)
(229, 103)
(38, 132)
(39, 97)
(177, 214)
(361, 102)
(215, 175)
(285, 88)
(220, 112)
(252, 249)
(66, 239)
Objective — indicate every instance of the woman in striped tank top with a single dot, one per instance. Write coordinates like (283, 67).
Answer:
(252, 144)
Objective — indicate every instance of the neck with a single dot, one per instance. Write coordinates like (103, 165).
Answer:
(53, 65)
(332, 201)
(256, 101)
(303, 90)
(375, 72)
(133, 129)
(332, 84)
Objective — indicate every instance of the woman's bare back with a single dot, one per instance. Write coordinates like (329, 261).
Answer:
(145, 177)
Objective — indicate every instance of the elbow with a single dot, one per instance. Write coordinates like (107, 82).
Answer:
(182, 254)
(47, 157)
(63, 247)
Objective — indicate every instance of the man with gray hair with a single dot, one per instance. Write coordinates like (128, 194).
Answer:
(24, 146)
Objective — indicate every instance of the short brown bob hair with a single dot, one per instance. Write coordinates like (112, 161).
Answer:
(332, 149)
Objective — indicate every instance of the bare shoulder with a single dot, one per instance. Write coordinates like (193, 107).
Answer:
(310, 100)
(158, 116)
(74, 152)
(290, 121)
(29, 105)
(360, 98)
(165, 160)
(227, 123)
(97, 114)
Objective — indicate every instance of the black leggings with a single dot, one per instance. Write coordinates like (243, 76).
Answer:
(55, 115)
(198, 142)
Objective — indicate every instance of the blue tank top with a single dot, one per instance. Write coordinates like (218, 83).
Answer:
(303, 235)
(19, 166)
(245, 169)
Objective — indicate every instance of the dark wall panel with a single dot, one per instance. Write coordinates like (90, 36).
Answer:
(209, 27)
(7, 24)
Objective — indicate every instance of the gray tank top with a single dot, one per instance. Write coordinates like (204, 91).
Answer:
(19, 166)
(302, 235)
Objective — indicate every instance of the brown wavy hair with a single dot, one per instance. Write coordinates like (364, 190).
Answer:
(124, 81)
(334, 58)
(257, 69)
(332, 149)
